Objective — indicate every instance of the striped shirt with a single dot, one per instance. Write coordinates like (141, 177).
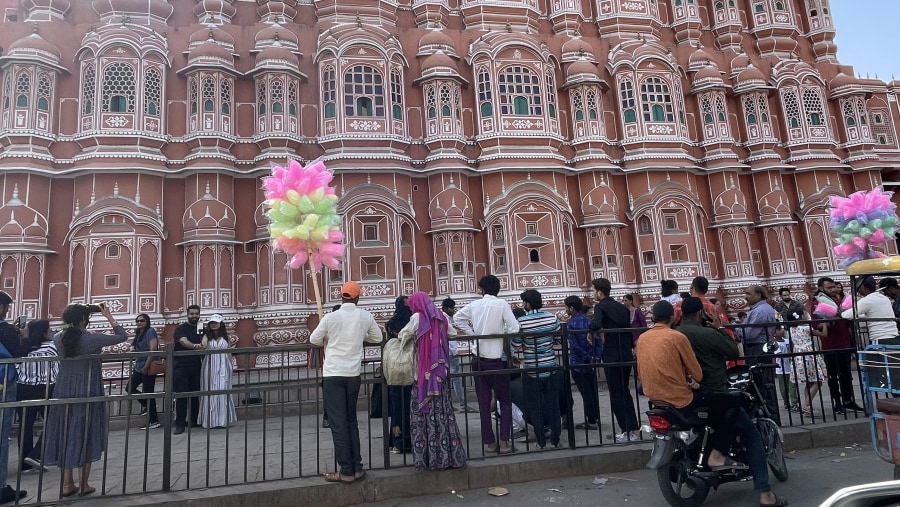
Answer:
(537, 351)
(39, 373)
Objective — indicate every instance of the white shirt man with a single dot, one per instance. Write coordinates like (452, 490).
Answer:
(488, 315)
(874, 305)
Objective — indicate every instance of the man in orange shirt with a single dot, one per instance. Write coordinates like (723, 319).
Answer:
(671, 375)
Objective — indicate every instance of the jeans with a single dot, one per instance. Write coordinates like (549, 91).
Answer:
(586, 381)
(499, 384)
(457, 382)
(340, 395)
(148, 385)
(27, 447)
(6, 417)
(729, 419)
(543, 406)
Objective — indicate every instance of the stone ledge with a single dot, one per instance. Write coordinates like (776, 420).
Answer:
(381, 485)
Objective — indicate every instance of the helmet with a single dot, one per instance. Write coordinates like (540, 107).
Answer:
(5, 298)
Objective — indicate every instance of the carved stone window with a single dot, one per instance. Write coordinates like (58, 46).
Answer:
(113, 251)
(118, 89)
(626, 94)
(152, 92)
(656, 101)
(329, 92)
(396, 95)
(23, 89)
(520, 91)
(363, 92)
(485, 93)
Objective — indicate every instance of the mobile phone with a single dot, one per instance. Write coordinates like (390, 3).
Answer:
(23, 319)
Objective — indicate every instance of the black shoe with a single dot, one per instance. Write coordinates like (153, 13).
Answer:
(8, 494)
(326, 423)
(178, 430)
(143, 410)
(851, 405)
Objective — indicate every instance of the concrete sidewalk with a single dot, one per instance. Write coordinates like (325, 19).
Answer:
(381, 485)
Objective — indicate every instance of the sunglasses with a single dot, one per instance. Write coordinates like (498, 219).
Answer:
(140, 320)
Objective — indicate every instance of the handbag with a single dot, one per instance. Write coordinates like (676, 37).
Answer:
(154, 367)
(398, 360)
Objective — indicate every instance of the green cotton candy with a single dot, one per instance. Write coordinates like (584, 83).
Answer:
(847, 238)
(876, 224)
(852, 225)
(292, 197)
(865, 233)
(306, 205)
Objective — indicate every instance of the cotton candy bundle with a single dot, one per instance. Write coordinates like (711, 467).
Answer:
(825, 307)
(860, 221)
(302, 211)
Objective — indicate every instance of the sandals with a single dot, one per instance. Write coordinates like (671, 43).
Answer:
(69, 491)
(358, 476)
(729, 464)
(339, 477)
(87, 491)
(779, 502)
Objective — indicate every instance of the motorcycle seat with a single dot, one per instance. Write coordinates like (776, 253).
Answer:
(687, 418)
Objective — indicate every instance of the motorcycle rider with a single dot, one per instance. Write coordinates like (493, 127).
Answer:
(671, 373)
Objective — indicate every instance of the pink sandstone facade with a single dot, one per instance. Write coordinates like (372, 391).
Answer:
(548, 142)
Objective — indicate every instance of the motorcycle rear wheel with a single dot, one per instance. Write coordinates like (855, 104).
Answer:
(678, 488)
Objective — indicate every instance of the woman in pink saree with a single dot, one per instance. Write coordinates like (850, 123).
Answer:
(435, 435)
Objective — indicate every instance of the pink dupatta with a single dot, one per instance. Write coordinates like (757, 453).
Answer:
(433, 350)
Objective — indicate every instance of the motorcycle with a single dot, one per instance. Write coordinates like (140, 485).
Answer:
(681, 445)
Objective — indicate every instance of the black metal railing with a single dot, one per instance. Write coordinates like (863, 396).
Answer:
(279, 433)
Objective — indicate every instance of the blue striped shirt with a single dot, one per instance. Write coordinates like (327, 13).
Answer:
(537, 351)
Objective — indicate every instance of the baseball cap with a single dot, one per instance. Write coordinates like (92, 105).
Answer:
(216, 318)
(691, 305)
(350, 290)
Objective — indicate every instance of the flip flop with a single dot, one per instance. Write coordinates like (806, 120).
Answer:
(87, 491)
(358, 476)
(338, 477)
(779, 502)
(729, 464)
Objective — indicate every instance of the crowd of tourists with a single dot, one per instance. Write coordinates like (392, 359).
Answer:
(520, 386)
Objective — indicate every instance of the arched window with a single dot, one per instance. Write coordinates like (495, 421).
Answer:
(446, 96)
(23, 89)
(43, 102)
(520, 91)
(812, 103)
(626, 94)
(593, 105)
(194, 95)
(485, 94)
(578, 105)
(209, 95)
(88, 87)
(292, 99)
(113, 251)
(329, 93)
(225, 92)
(791, 108)
(118, 89)
(277, 96)
(363, 92)
(656, 101)
(152, 92)
(551, 94)
(644, 225)
(534, 256)
(396, 95)
(261, 97)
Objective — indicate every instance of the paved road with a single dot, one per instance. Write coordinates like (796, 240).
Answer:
(815, 475)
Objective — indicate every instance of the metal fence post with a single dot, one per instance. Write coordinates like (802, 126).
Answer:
(168, 385)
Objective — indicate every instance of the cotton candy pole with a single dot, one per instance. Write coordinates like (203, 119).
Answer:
(303, 219)
(860, 221)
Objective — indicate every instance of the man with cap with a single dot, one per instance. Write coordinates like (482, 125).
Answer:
(9, 347)
(187, 369)
(671, 376)
(342, 333)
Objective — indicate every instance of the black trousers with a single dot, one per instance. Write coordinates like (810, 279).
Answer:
(148, 385)
(27, 447)
(617, 378)
(764, 379)
(840, 377)
(341, 395)
(187, 379)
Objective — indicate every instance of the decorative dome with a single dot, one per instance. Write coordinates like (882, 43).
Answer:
(21, 225)
(277, 57)
(739, 63)
(451, 208)
(600, 204)
(159, 9)
(34, 48)
(842, 80)
(439, 59)
(212, 34)
(208, 217)
(575, 49)
(210, 54)
(434, 41)
(751, 78)
(214, 11)
(277, 35)
(700, 59)
(582, 71)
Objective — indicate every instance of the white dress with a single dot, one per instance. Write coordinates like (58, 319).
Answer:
(216, 410)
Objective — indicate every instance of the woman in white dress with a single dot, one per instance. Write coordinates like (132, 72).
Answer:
(216, 410)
